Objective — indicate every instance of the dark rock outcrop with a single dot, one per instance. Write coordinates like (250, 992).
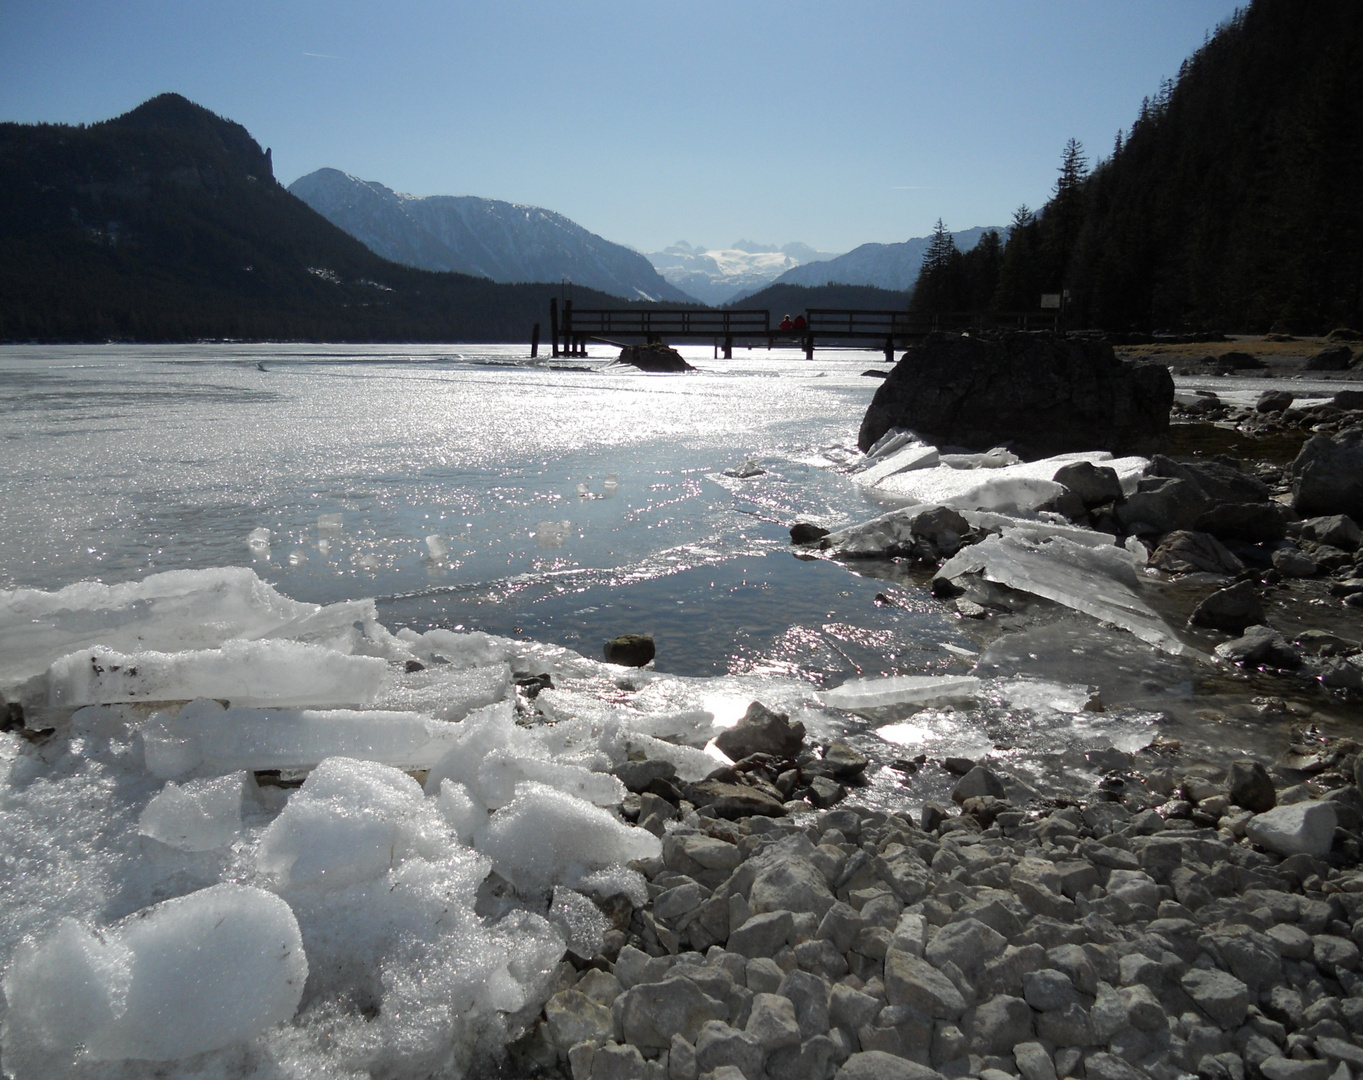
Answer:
(632, 650)
(654, 357)
(1332, 358)
(1041, 394)
(1327, 476)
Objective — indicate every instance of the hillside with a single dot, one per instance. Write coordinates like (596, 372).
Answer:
(166, 224)
(720, 275)
(884, 266)
(1231, 204)
(503, 241)
(782, 299)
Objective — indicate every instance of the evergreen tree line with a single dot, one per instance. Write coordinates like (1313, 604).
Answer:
(1232, 203)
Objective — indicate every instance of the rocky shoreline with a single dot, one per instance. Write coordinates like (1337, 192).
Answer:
(1172, 925)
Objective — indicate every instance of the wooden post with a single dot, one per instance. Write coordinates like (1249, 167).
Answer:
(567, 328)
(535, 342)
(728, 346)
(889, 350)
(809, 347)
(553, 323)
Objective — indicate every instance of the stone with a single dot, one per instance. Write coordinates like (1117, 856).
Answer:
(809, 994)
(612, 1062)
(1186, 552)
(802, 532)
(681, 1060)
(762, 731)
(1162, 505)
(845, 762)
(1300, 828)
(1232, 609)
(630, 650)
(1292, 563)
(813, 1059)
(1330, 358)
(601, 986)
(1250, 786)
(638, 775)
(772, 1022)
(1033, 1062)
(1222, 997)
(733, 801)
(841, 924)
(1340, 1050)
(718, 1044)
(1048, 990)
(1259, 647)
(1281, 1068)
(655, 357)
(786, 882)
(943, 527)
(1042, 394)
(850, 1009)
(1333, 954)
(824, 792)
(978, 782)
(573, 1017)
(1273, 401)
(878, 1065)
(762, 935)
(763, 975)
(1134, 887)
(1096, 485)
(999, 1024)
(1218, 481)
(651, 1013)
(912, 981)
(1337, 530)
(1249, 523)
(967, 944)
(1104, 1066)
(1327, 475)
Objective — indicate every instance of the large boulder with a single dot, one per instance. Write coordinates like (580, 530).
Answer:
(1331, 358)
(1327, 477)
(654, 357)
(1042, 394)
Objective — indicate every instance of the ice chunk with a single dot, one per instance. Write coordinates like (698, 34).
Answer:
(204, 738)
(350, 821)
(446, 694)
(436, 548)
(1022, 486)
(259, 540)
(905, 459)
(458, 650)
(858, 694)
(891, 441)
(462, 812)
(199, 816)
(186, 976)
(545, 834)
(1099, 581)
(581, 921)
(615, 881)
(351, 626)
(181, 609)
(246, 672)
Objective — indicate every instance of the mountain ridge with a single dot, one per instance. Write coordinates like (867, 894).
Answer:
(503, 241)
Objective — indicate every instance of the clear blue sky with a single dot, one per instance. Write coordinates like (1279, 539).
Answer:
(645, 121)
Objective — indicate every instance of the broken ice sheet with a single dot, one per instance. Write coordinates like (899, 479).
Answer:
(1098, 581)
(199, 815)
(858, 695)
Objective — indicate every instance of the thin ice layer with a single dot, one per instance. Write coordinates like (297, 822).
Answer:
(205, 739)
(858, 694)
(904, 459)
(199, 815)
(1099, 581)
(181, 609)
(1022, 487)
(244, 672)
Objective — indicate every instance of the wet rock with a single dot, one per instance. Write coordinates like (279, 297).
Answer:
(1327, 476)
(630, 650)
(824, 792)
(1273, 401)
(1250, 786)
(638, 776)
(745, 470)
(844, 762)
(943, 527)
(1301, 828)
(733, 801)
(1261, 646)
(1219, 482)
(1187, 552)
(979, 781)
(654, 357)
(1330, 358)
(1232, 609)
(802, 532)
(762, 731)
(1249, 523)
(1161, 505)
(1337, 530)
(1096, 485)
(1292, 563)
(1043, 394)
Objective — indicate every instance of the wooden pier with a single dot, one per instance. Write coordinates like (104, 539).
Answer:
(571, 334)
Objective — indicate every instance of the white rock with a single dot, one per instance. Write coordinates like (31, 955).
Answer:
(1301, 828)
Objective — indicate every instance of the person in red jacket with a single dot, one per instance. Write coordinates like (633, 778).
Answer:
(800, 323)
(786, 324)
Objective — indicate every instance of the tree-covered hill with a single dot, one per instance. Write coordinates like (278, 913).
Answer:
(793, 299)
(1234, 202)
(166, 224)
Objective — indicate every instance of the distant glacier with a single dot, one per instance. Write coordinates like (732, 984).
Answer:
(504, 241)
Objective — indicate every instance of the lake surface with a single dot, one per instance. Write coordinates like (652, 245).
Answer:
(466, 487)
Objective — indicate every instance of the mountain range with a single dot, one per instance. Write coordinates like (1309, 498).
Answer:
(884, 266)
(719, 275)
(504, 241)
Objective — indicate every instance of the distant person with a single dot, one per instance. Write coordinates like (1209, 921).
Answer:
(800, 323)
(786, 324)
